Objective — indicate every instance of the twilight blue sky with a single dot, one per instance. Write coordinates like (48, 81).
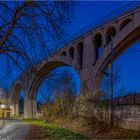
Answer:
(86, 13)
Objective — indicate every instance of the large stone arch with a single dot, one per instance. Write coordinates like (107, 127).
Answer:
(44, 70)
(37, 80)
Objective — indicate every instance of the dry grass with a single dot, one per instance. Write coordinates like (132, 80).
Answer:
(92, 128)
(72, 127)
(48, 131)
(35, 132)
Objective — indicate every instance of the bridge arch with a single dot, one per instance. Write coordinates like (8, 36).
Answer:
(118, 49)
(37, 80)
(44, 70)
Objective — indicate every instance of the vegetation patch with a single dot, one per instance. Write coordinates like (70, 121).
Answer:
(42, 130)
(92, 128)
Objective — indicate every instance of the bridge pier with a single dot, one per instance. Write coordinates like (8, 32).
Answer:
(30, 107)
(27, 107)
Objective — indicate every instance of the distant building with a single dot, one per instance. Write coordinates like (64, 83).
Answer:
(5, 111)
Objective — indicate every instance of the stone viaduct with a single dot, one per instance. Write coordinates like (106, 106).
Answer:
(88, 54)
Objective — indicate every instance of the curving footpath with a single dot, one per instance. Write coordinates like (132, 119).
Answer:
(14, 130)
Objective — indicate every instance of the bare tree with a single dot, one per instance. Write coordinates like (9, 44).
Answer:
(56, 92)
(27, 26)
(106, 101)
(117, 83)
(28, 31)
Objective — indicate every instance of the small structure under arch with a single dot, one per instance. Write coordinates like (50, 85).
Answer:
(64, 53)
(124, 23)
(71, 52)
(80, 53)
(97, 40)
(110, 33)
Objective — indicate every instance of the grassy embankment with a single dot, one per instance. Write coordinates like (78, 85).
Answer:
(92, 128)
(60, 129)
(48, 131)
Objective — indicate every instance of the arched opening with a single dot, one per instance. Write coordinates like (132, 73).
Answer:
(64, 53)
(18, 100)
(110, 33)
(57, 87)
(39, 77)
(124, 23)
(80, 54)
(98, 42)
(71, 52)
